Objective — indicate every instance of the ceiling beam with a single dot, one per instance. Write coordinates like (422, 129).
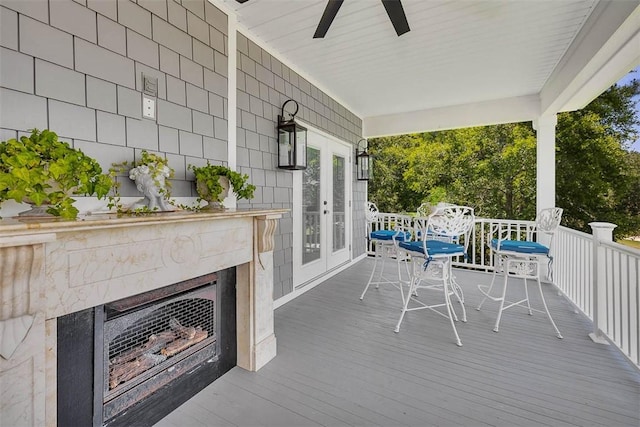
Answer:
(511, 110)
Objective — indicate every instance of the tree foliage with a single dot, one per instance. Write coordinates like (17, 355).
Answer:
(493, 168)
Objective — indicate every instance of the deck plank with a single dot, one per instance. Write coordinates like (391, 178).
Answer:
(340, 363)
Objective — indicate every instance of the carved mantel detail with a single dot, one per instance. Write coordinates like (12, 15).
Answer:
(266, 226)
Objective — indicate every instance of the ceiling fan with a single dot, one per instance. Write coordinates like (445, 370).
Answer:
(393, 7)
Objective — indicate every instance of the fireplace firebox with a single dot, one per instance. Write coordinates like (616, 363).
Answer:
(153, 338)
(148, 349)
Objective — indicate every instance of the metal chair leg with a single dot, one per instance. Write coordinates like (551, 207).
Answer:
(526, 295)
(406, 304)
(448, 289)
(373, 272)
(378, 257)
(447, 286)
(383, 252)
(456, 290)
(451, 315)
(544, 303)
(501, 309)
(487, 292)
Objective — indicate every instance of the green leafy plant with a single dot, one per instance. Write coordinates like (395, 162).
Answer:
(436, 195)
(40, 169)
(208, 182)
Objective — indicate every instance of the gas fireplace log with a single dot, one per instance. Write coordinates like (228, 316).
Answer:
(180, 344)
(126, 371)
(153, 345)
(183, 331)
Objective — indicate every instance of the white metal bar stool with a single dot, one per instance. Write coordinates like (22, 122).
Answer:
(385, 243)
(522, 259)
(431, 258)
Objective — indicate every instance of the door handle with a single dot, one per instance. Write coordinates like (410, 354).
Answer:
(326, 211)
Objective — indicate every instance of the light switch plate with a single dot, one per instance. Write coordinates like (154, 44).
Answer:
(148, 107)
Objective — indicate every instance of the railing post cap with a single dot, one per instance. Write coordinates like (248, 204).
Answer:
(602, 225)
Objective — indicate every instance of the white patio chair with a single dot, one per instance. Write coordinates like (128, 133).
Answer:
(431, 255)
(424, 210)
(385, 243)
(522, 259)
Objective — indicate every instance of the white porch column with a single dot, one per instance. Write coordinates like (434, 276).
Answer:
(545, 127)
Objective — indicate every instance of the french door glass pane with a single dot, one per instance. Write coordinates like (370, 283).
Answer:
(312, 207)
(339, 209)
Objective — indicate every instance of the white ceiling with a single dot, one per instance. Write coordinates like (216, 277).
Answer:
(457, 52)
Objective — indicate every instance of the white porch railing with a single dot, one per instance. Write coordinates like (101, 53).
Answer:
(616, 292)
(606, 291)
(573, 268)
(478, 250)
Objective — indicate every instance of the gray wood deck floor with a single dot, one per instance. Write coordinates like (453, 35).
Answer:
(339, 363)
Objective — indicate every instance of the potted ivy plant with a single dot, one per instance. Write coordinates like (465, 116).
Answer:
(45, 172)
(214, 181)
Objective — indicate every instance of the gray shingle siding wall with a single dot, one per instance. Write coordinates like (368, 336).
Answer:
(264, 84)
(77, 69)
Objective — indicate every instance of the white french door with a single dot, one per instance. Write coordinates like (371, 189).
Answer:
(321, 213)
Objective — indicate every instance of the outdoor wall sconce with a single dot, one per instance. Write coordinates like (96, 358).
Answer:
(292, 141)
(363, 162)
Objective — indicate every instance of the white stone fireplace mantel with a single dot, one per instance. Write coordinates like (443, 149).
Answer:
(53, 267)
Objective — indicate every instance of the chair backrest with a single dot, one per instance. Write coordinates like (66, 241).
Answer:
(451, 221)
(424, 210)
(448, 224)
(371, 212)
(548, 220)
(403, 225)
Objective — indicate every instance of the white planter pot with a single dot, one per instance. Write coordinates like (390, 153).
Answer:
(214, 203)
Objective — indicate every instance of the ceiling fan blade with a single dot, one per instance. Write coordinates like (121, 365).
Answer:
(327, 18)
(397, 16)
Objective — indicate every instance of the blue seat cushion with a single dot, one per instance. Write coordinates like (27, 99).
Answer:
(520, 246)
(389, 235)
(434, 247)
